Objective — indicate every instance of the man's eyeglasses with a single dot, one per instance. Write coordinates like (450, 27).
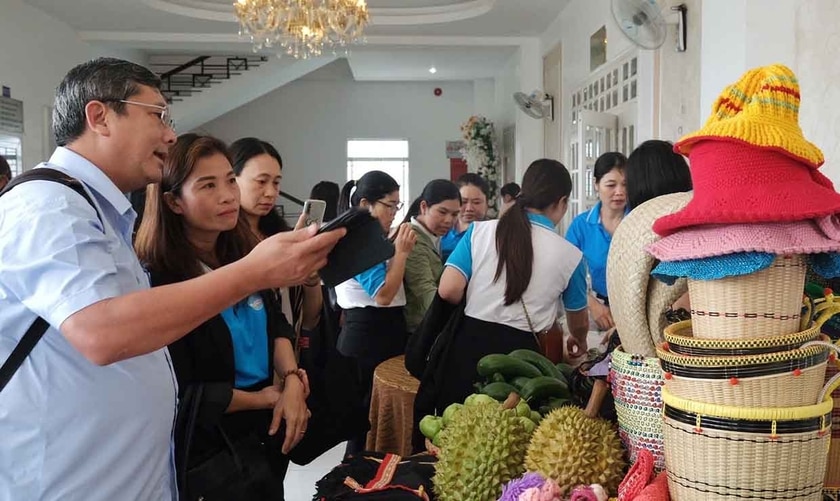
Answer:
(393, 207)
(165, 112)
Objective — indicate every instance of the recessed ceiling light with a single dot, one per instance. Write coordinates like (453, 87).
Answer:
(432, 70)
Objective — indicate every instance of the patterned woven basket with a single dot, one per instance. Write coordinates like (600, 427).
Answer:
(784, 379)
(636, 382)
(832, 473)
(681, 341)
(717, 452)
(761, 304)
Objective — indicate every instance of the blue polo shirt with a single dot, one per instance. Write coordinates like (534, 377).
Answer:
(588, 234)
(449, 241)
(70, 429)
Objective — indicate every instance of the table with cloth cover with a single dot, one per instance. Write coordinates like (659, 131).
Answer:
(392, 408)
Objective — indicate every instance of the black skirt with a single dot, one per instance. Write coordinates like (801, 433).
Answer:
(373, 334)
(475, 339)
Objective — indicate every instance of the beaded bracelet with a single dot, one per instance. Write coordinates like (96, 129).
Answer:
(291, 372)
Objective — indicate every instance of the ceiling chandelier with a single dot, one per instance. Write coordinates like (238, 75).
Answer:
(302, 28)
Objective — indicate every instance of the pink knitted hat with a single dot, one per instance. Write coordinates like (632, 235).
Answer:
(797, 237)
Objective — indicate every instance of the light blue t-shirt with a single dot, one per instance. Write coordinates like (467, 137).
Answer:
(248, 325)
(70, 429)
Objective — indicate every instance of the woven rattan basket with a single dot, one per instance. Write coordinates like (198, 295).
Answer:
(681, 341)
(761, 304)
(636, 382)
(783, 379)
(832, 473)
(717, 452)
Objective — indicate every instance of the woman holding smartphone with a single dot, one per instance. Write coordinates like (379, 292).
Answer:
(259, 171)
(192, 225)
(374, 301)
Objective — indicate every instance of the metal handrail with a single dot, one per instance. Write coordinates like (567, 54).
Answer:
(179, 69)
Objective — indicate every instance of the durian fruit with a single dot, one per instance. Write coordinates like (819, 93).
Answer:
(573, 449)
(482, 448)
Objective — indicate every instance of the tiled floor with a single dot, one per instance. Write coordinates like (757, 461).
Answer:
(300, 480)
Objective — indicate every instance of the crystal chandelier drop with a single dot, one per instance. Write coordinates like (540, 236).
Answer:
(302, 28)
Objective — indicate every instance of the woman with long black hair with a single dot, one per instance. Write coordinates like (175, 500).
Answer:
(431, 215)
(513, 271)
(374, 301)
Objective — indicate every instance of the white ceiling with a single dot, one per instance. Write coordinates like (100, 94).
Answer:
(463, 39)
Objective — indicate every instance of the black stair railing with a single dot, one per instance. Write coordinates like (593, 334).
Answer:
(184, 79)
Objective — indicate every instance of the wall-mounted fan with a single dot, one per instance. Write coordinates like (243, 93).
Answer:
(643, 23)
(537, 104)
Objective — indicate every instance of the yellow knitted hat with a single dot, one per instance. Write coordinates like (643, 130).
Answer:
(760, 109)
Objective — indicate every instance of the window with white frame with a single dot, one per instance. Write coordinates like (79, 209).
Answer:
(10, 149)
(386, 155)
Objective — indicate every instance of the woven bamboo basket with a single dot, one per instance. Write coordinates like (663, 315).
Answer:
(681, 341)
(761, 304)
(832, 473)
(636, 382)
(784, 379)
(715, 452)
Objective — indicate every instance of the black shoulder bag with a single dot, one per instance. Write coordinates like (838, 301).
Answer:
(39, 326)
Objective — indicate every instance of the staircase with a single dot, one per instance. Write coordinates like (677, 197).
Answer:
(184, 76)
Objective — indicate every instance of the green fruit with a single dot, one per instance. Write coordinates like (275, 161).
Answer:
(482, 449)
(522, 409)
(450, 412)
(497, 378)
(529, 425)
(506, 365)
(519, 381)
(565, 369)
(430, 426)
(573, 449)
(536, 417)
(542, 387)
(499, 391)
(479, 399)
(540, 362)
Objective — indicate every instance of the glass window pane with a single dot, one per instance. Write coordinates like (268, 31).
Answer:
(10, 149)
(377, 149)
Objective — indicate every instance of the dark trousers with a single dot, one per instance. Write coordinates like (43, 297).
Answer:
(371, 336)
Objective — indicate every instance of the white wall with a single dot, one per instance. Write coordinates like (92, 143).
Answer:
(817, 53)
(36, 50)
(804, 35)
(680, 111)
(310, 121)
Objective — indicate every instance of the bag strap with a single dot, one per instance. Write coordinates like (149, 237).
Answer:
(530, 324)
(56, 176)
(22, 350)
(39, 326)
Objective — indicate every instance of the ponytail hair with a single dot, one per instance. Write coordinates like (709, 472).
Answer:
(435, 192)
(374, 185)
(545, 183)
(344, 196)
